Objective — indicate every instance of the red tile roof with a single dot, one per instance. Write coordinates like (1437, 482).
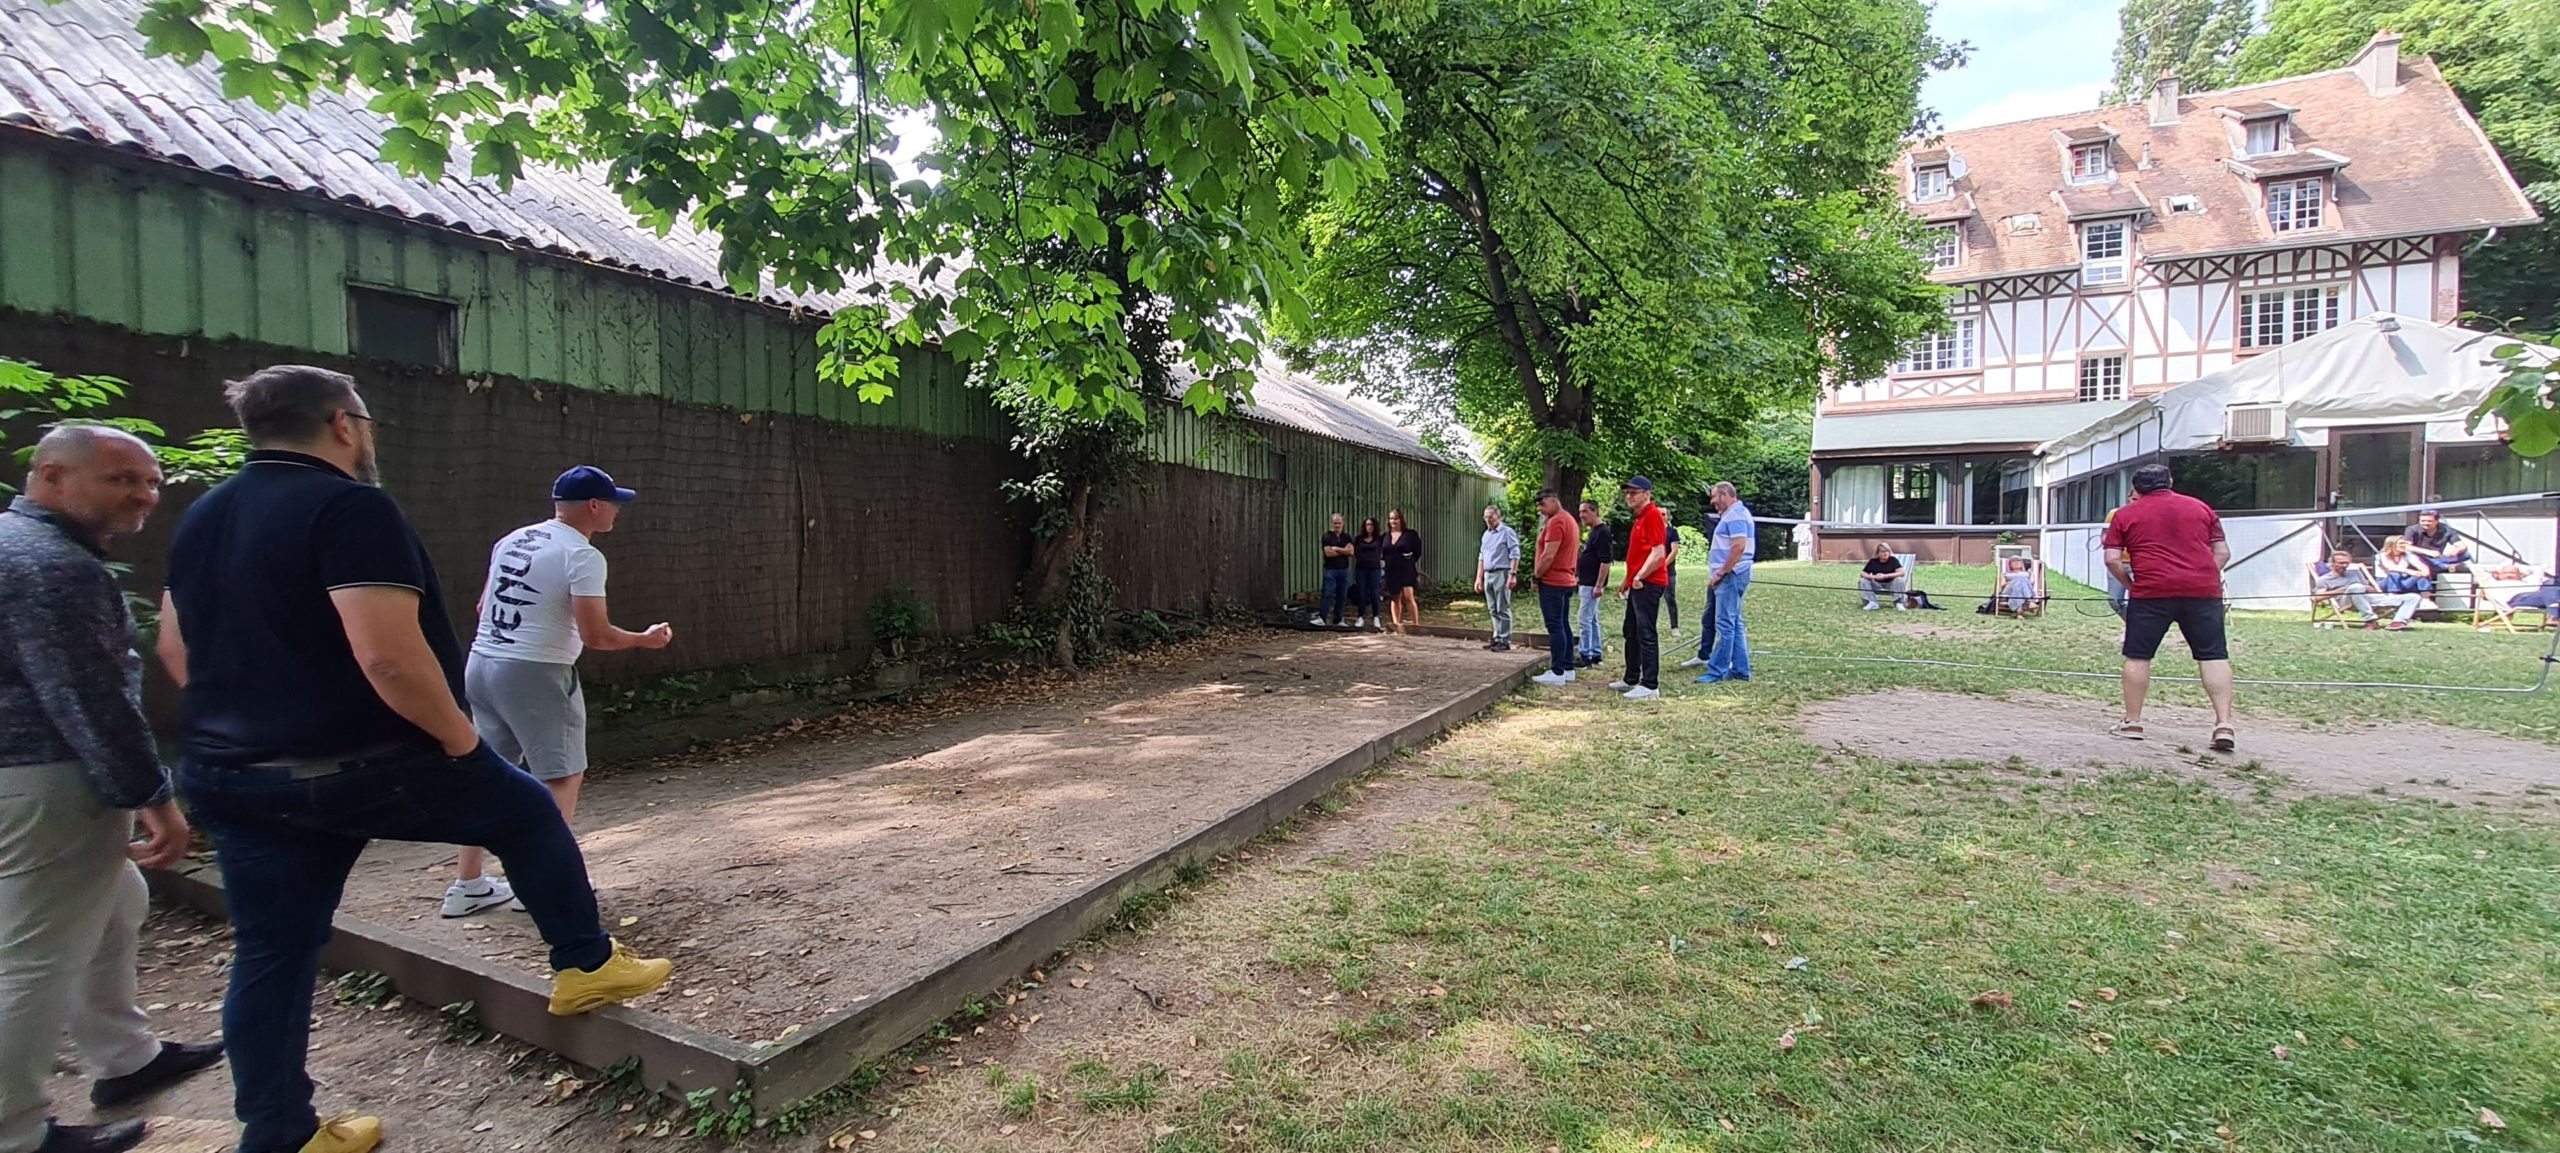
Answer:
(2416, 165)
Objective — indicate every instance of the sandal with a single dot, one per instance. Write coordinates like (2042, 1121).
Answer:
(2225, 738)
(2129, 730)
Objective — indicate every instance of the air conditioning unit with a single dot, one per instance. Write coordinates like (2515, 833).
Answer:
(2255, 424)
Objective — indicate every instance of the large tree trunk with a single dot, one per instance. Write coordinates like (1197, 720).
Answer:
(1568, 481)
(1053, 562)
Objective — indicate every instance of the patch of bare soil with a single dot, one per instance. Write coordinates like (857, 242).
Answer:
(1965, 628)
(1213, 983)
(2048, 733)
(791, 880)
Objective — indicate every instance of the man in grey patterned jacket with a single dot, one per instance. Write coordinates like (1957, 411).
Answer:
(77, 768)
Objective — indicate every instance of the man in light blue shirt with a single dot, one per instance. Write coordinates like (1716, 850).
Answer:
(1497, 555)
(1737, 540)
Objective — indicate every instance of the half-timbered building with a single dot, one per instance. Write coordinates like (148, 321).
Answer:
(2098, 257)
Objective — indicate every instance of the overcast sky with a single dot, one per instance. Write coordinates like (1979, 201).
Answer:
(2030, 58)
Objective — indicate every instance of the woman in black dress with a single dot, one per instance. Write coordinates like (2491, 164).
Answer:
(1368, 572)
(1403, 556)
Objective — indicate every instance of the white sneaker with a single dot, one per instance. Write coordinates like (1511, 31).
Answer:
(1618, 686)
(1694, 663)
(1870, 606)
(1553, 678)
(1900, 607)
(463, 898)
(1642, 694)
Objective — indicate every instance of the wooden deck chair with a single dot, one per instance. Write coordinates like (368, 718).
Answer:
(2324, 609)
(2491, 591)
(2002, 605)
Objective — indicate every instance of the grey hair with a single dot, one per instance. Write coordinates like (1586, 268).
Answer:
(1725, 488)
(1495, 509)
(289, 404)
(74, 444)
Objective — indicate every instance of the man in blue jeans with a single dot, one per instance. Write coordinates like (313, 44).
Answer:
(322, 709)
(1591, 571)
(1337, 573)
(1728, 577)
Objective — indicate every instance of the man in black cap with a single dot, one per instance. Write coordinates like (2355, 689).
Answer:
(1648, 574)
(542, 605)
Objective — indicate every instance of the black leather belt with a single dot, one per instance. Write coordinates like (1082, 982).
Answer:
(306, 768)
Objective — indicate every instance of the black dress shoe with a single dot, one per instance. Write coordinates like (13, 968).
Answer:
(114, 1138)
(178, 1060)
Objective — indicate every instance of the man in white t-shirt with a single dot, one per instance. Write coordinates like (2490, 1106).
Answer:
(542, 605)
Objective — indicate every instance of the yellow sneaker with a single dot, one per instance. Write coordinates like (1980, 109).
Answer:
(345, 1133)
(621, 978)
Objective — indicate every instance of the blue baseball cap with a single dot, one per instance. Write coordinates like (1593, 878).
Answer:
(1637, 482)
(587, 482)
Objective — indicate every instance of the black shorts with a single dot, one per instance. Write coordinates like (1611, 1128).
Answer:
(2199, 619)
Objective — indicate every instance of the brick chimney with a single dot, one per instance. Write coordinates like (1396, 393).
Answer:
(2164, 100)
(2378, 65)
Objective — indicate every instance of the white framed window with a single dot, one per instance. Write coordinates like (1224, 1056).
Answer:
(1949, 351)
(2103, 255)
(2293, 205)
(2090, 162)
(1931, 183)
(2266, 136)
(2284, 315)
(1946, 246)
(2102, 377)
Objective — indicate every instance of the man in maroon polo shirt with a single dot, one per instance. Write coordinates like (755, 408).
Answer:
(2167, 548)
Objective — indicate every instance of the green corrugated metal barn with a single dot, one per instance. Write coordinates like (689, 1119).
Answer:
(148, 224)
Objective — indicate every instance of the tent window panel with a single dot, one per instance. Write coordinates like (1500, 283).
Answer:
(2285, 480)
(2469, 471)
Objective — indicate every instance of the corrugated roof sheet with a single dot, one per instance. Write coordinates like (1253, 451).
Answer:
(77, 70)
(1955, 428)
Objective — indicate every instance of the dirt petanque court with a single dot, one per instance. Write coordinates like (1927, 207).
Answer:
(800, 877)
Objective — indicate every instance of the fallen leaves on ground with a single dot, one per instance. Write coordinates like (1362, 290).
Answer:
(2490, 1119)
(1995, 999)
(1786, 1040)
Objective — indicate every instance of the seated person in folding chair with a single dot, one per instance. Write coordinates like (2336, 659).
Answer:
(2505, 590)
(2402, 571)
(2340, 578)
(2018, 593)
(2437, 545)
(1884, 574)
(2545, 597)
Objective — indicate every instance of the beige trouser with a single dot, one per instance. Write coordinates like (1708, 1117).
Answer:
(71, 908)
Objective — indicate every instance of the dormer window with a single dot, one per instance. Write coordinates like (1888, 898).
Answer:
(1932, 183)
(2265, 136)
(1946, 247)
(2091, 162)
(2294, 205)
(2104, 254)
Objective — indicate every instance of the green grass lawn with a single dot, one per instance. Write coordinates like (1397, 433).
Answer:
(1601, 955)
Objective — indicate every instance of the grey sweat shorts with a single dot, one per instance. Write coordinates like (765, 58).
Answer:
(530, 712)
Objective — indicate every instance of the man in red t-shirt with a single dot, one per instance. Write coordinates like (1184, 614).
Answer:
(1559, 539)
(1648, 574)
(2167, 548)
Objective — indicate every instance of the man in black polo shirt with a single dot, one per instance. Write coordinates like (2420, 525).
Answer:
(323, 688)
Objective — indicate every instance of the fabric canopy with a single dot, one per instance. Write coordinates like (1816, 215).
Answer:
(2378, 369)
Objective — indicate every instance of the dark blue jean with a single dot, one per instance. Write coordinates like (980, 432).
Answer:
(285, 845)
(1730, 660)
(2393, 582)
(1337, 589)
(1555, 608)
(1365, 591)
